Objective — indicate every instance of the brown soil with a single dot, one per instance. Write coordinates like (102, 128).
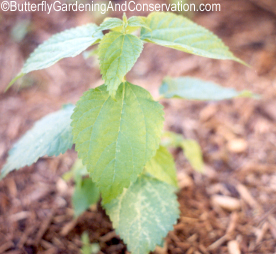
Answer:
(237, 137)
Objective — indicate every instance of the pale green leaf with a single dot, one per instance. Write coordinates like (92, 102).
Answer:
(118, 53)
(116, 138)
(144, 213)
(193, 153)
(110, 23)
(50, 136)
(191, 148)
(132, 24)
(162, 166)
(87, 247)
(136, 21)
(77, 171)
(85, 195)
(171, 139)
(68, 43)
(177, 32)
(196, 89)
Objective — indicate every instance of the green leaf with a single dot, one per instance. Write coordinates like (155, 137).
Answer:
(116, 138)
(110, 23)
(50, 136)
(77, 171)
(118, 53)
(87, 247)
(171, 139)
(193, 153)
(144, 214)
(132, 24)
(85, 195)
(136, 21)
(162, 166)
(191, 148)
(197, 89)
(177, 32)
(68, 43)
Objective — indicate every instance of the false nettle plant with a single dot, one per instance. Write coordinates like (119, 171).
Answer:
(117, 127)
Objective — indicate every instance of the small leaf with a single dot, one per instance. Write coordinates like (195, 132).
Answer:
(191, 148)
(68, 43)
(118, 53)
(43, 139)
(177, 32)
(77, 171)
(87, 247)
(85, 195)
(197, 89)
(171, 139)
(144, 214)
(162, 167)
(135, 21)
(116, 138)
(20, 30)
(110, 23)
(193, 153)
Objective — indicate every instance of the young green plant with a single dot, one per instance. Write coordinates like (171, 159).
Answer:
(117, 127)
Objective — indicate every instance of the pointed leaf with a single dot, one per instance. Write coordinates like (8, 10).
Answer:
(68, 43)
(85, 195)
(116, 138)
(197, 89)
(193, 153)
(144, 214)
(118, 53)
(136, 21)
(175, 31)
(43, 139)
(133, 23)
(162, 167)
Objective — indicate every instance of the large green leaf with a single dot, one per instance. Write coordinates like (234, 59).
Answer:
(50, 136)
(85, 194)
(175, 31)
(68, 43)
(118, 53)
(193, 153)
(116, 138)
(162, 166)
(144, 213)
(196, 89)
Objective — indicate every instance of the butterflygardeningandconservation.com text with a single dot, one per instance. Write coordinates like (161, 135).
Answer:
(104, 7)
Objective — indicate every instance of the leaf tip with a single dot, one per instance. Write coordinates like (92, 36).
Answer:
(14, 80)
(249, 94)
(242, 62)
(3, 173)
